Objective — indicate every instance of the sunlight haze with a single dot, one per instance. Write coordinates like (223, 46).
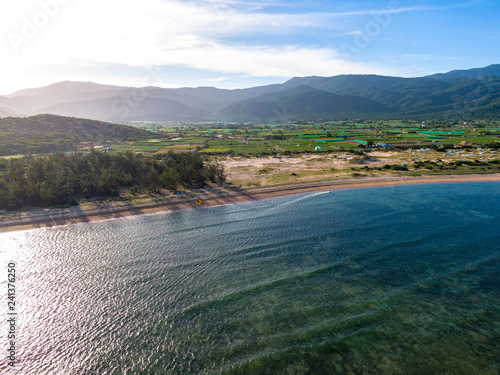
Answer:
(235, 44)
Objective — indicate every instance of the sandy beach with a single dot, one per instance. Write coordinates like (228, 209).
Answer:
(42, 221)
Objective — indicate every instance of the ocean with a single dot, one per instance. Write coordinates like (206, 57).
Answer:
(386, 280)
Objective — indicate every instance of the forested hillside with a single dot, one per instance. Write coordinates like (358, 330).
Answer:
(50, 133)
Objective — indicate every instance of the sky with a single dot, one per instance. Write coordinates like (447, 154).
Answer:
(238, 44)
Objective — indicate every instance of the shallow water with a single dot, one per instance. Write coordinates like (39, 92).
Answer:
(392, 280)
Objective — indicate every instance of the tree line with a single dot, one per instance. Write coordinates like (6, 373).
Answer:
(63, 179)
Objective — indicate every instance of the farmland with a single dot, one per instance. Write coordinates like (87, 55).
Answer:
(275, 139)
(263, 154)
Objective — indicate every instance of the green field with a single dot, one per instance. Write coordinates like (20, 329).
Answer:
(256, 139)
(331, 136)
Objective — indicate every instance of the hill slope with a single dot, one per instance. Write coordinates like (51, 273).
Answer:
(477, 73)
(418, 97)
(49, 133)
(299, 103)
(123, 109)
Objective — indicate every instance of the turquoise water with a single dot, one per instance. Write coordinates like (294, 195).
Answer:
(393, 280)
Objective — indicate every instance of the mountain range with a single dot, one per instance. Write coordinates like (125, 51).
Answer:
(456, 95)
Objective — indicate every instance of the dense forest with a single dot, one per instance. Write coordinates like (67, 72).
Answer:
(49, 133)
(63, 179)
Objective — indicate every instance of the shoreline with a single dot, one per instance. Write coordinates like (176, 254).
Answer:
(14, 225)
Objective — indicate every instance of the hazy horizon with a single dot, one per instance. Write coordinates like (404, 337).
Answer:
(180, 86)
(238, 44)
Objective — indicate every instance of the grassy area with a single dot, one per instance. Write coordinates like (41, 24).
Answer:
(214, 150)
(282, 178)
(11, 157)
(330, 136)
(175, 148)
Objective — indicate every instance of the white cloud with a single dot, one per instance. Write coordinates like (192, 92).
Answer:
(264, 61)
(200, 35)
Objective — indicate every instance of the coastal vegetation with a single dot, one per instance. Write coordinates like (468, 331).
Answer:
(60, 179)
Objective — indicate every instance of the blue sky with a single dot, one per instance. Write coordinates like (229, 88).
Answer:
(233, 44)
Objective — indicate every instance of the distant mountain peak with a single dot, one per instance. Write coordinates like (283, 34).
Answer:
(476, 73)
(435, 95)
(64, 87)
